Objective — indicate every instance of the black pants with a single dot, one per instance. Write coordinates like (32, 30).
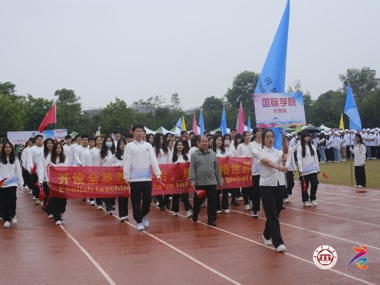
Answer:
(256, 196)
(289, 183)
(58, 207)
(212, 200)
(373, 151)
(311, 179)
(224, 205)
(272, 198)
(141, 191)
(36, 189)
(8, 202)
(247, 194)
(185, 200)
(360, 175)
(123, 206)
(47, 206)
(164, 201)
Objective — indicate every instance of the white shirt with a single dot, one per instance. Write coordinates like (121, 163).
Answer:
(78, 155)
(68, 150)
(243, 150)
(13, 174)
(270, 176)
(256, 165)
(359, 152)
(33, 155)
(308, 164)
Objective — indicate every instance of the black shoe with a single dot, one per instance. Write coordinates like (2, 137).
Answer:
(234, 204)
(162, 208)
(168, 206)
(211, 223)
(195, 218)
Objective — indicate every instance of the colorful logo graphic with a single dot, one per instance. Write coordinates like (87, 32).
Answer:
(360, 261)
(325, 257)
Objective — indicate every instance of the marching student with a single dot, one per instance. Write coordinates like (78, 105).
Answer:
(220, 151)
(292, 167)
(359, 152)
(205, 175)
(42, 174)
(57, 205)
(179, 156)
(79, 151)
(25, 173)
(104, 158)
(95, 152)
(256, 168)
(32, 161)
(117, 160)
(69, 149)
(138, 157)
(308, 167)
(272, 187)
(10, 170)
(150, 139)
(163, 157)
(243, 150)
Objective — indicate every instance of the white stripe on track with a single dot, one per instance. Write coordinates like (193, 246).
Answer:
(101, 270)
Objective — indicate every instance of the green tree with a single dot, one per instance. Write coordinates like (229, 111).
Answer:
(176, 102)
(362, 81)
(69, 110)
(116, 115)
(243, 87)
(34, 110)
(11, 108)
(307, 101)
(369, 110)
(151, 103)
(212, 112)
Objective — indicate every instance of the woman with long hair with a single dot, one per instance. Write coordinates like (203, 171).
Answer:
(11, 177)
(359, 152)
(58, 205)
(308, 167)
(272, 188)
(220, 151)
(105, 159)
(42, 174)
(150, 138)
(163, 157)
(117, 160)
(179, 156)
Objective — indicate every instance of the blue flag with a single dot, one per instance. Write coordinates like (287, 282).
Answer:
(272, 77)
(201, 124)
(249, 124)
(179, 123)
(351, 110)
(223, 122)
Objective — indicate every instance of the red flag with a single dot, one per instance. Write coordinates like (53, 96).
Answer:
(50, 118)
(2, 182)
(324, 175)
(200, 193)
(194, 127)
(304, 185)
(241, 119)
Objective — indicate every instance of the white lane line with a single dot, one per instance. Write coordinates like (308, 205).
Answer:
(314, 232)
(187, 256)
(334, 217)
(351, 206)
(101, 270)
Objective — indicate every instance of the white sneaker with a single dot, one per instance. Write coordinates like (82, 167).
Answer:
(50, 216)
(7, 224)
(36, 202)
(314, 203)
(145, 221)
(287, 200)
(110, 213)
(30, 192)
(240, 198)
(219, 211)
(1, 218)
(355, 185)
(227, 211)
(140, 227)
(63, 216)
(254, 215)
(92, 203)
(359, 186)
(189, 214)
(122, 219)
(307, 204)
(99, 207)
(58, 223)
(126, 218)
(247, 207)
(281, 248)
(14, 220)
(175, 213)
(267, 241)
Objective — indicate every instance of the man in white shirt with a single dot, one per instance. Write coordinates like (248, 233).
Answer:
(68, 150)
(32, 159)
(79, 151)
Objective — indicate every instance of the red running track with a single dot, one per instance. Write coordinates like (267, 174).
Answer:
(92, 247)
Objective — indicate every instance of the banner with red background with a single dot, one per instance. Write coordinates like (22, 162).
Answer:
(104, 182)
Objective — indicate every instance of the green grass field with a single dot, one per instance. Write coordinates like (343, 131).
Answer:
(340, 173)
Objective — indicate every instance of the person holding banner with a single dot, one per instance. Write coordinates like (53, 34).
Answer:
(205, 175)
(163, 157)
(359, 152)
(138, 158)
(95, 153)
(272, 188)
(117, 160)
(42, 174)
(179, 156)
(220, 151)
(57, 205)
(308, 167)
(11, 179)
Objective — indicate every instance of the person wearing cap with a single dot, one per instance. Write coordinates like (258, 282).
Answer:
(336, 146)
(359, 151)
(366, 136)
(372, 144)
(322, 147)
(347, 143)
(329, 148)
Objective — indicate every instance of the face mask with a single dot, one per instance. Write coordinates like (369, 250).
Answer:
(226, 142)
(109, 144)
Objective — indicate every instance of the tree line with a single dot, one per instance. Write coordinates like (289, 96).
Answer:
(25, 112)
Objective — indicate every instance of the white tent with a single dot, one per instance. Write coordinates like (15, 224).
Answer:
(324, 128)
(149, 131)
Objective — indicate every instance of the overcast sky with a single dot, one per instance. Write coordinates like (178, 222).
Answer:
(137, 49)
